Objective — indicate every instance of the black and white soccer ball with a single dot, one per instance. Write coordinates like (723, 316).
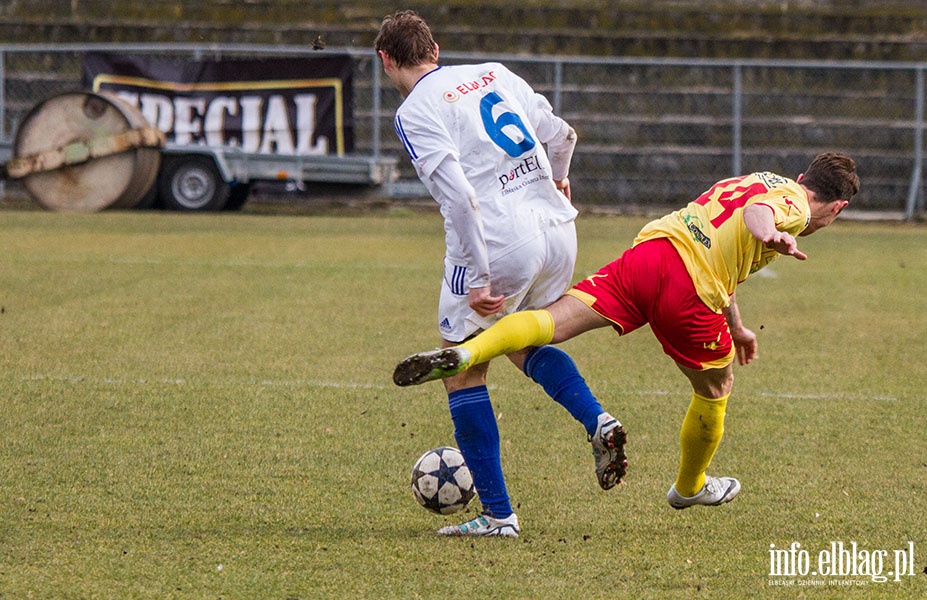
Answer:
(441, 481)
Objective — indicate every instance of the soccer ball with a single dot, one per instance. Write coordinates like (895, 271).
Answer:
(441, 481)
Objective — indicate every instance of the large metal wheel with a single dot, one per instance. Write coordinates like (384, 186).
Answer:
(193, 184)
(66, 130)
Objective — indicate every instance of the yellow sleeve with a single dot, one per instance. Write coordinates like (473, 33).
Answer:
(712, 239)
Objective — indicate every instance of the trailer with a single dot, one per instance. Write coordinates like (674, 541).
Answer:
(204, 178)
(88, 151)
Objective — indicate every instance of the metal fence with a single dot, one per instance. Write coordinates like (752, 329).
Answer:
(653, 132)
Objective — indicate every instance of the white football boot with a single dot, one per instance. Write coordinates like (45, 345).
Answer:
(484, 526)
(717, 490)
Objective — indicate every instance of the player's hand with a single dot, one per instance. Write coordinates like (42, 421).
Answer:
(484, 303)
(564, 186)
(784, 243)
(745, 345)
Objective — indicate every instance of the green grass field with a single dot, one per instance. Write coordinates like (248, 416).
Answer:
(201, 407)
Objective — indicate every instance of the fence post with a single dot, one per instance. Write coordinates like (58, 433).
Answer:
(558, 84)
(2, 95)
(737, 120)
(2, 110)
(915, 188)
(375, 109)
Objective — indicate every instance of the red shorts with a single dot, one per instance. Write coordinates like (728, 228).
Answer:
(649, 283)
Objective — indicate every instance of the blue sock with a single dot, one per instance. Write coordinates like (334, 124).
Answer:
(477, 436)
(557, 373)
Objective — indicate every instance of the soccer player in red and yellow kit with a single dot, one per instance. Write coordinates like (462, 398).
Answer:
(680, 276)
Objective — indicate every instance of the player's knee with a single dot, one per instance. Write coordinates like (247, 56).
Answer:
(713, 383)
(726, 384)
(518, 357)
(718, 388)
(472, 377)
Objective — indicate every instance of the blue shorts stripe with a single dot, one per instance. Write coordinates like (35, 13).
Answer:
(457, 280)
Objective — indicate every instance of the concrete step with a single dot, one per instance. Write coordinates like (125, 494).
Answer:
(668, 174)
(634, 130)
(759, 29)
(717, 18)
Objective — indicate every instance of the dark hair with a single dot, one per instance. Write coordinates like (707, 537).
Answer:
(832, 176)
(406, 38)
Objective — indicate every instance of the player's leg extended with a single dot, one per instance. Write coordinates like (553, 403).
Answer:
(562, 320)
(511, 333)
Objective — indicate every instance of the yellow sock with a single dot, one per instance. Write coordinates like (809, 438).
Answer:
(701, 434)
(510, 333)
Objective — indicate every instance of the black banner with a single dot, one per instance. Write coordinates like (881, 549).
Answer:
(270, 106)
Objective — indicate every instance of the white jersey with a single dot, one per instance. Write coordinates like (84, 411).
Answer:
(476, 136)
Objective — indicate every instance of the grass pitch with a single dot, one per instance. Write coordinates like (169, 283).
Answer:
(201, 407)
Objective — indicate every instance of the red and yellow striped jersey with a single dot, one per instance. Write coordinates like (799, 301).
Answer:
(712, 239)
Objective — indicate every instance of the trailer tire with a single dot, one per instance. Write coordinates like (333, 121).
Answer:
(238, 196)
(192, 184)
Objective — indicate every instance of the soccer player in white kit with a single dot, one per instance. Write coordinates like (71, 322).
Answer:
(476, 135)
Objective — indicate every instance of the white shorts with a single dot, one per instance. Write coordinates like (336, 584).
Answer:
(530, 277)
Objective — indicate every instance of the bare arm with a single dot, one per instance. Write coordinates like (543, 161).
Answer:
(744, 340)
(760, 222)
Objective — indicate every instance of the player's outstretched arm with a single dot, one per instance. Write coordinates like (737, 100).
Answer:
(760, 222)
